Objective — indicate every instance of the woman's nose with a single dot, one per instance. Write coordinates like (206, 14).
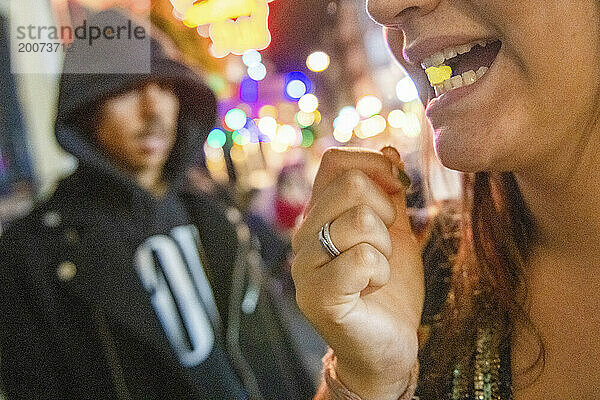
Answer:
(398, 12)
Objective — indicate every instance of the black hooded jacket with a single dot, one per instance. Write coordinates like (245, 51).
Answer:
(108, 292)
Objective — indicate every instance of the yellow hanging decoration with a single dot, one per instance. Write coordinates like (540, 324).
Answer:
(234, 26)
(211, 11)
(437, 75)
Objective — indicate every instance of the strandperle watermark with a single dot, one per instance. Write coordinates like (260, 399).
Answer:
(91, 33)
(101, 43)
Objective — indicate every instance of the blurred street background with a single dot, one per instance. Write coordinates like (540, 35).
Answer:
(326, 79)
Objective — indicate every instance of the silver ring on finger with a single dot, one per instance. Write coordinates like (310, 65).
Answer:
(327, 243)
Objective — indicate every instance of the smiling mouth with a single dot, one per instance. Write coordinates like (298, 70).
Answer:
(460, 66)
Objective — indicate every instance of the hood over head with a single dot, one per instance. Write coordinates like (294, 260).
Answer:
(95, 72)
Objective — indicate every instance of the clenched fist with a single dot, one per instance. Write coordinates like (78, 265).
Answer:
(367, 301)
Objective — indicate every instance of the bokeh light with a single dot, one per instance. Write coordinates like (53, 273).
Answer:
(297, 85)
(257, 72)
(279, 147)
(267, 111)
(305, 119)
(318, 117)
(308, 138)
(248, 90)
(238, 154)
(412, 125)
(406, 90)
(295, 89)
(286, 134)
(268, 126)
(235, 119)
(376, 124)
(234, 71)
(251, 58)
(347, 119)
(367, 106)
(216, 138)
(396, 118)
(318, 61)
(241, 137)
(216, 83)
(308, 103)
(341, 135)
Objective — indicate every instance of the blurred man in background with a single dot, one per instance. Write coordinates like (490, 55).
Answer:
(125, 284)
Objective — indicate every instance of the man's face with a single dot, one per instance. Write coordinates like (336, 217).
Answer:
(137, 129)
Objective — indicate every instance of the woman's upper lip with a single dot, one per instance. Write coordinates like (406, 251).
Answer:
(419, 49)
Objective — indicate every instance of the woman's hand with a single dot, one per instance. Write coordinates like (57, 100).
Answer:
(366, 302)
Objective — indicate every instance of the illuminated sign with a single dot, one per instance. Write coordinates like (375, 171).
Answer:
(234, 26)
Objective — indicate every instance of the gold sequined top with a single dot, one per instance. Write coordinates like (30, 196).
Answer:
(490, 378)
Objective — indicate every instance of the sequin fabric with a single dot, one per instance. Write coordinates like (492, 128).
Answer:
(484, 380)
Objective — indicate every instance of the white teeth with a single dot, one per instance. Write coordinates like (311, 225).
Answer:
(448, 85)
(466, 79)
(464, 48)
(481, 71)
(438, 58)
(450, 53)
(469, 77)
(456, 81)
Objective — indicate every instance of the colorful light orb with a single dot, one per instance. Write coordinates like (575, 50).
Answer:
(318, 117)
(367, 106)
(249, 90)
(286, 134)
(295, 89)
(361, 131)
(304, 119)
(257, 72)
(213, 154)
(251, 58)
(238, 154)
(308, 103)
(297, 85)
(318, 61)
(342, 136)
(216, 138)
(235, 119)
(234, 70)
(217, 83)
(376, 125)
(308, 137)
(406, 91)
(267, 111)
(412, 125)
(396, 118)
(347, 119)
(279, 147)
(268, 126)
(241, 137)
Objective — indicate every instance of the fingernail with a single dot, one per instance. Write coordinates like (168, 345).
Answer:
(397, 165)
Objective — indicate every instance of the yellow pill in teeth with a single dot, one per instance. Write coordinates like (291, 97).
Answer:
(437, 75)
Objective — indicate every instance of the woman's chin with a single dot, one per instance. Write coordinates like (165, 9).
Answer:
(454, 155)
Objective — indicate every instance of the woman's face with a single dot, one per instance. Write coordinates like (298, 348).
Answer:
(536, 96)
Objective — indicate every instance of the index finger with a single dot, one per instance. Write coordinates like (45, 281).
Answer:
(374, 164)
